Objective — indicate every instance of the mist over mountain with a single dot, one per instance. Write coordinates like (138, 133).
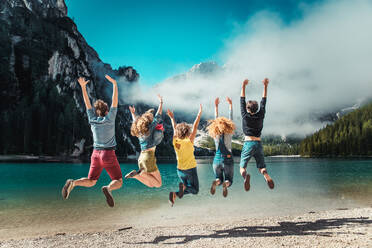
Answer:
(318, 65)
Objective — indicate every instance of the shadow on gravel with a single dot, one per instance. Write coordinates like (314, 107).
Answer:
(284, 229)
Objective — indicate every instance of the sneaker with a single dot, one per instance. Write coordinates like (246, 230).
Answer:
(180, 190)
(172, 198)
(213, 187)
(131, 174)
(109, 198)
(269, 181)
(224, 189)
(247, 179)
(69, 185)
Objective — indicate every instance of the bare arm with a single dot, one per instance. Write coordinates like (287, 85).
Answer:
(160, 108)
(114, 91)
(265, 83)
(171, 116)
(245, 83)
(195, 125)
(83, 83)
(228, 99)
(216, 102)
(132, 110)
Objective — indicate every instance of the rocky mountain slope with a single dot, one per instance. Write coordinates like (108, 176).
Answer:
(42, 54)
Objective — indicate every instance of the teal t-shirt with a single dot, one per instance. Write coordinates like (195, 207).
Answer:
(103, 128)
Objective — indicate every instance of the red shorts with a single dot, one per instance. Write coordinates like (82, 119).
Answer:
(104, 159)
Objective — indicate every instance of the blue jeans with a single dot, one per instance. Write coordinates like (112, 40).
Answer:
(252, 149)
(223, 169)
(190, 179)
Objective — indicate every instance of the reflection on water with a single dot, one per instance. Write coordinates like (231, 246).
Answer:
(30, 195)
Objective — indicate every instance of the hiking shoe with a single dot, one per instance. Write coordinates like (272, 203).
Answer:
(224, 189)
(131, 174)
(247, 179)
(269, 181)
(213, 187)
(109, 198)
(69, 185)
(180, 190)
(172, 198)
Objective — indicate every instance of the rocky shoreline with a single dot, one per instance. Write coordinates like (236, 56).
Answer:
(333, 228)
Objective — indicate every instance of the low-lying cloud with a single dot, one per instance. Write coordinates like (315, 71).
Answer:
(317, 64)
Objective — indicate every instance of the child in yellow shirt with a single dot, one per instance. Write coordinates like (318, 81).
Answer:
(183, 142)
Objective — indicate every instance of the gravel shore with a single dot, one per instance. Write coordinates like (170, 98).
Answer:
(334, 228)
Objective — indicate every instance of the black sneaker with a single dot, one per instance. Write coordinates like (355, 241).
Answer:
(180, 190)
(109, 198)
(171, 198)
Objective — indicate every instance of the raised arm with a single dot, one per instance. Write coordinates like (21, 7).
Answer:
(243, 109)
(132, 110)
(245, 83)
(265, 83)
(216, 102)
(171, 116)
(160, 108)
(114, 91)
(228, 99)
(83, 83)
(195, 125)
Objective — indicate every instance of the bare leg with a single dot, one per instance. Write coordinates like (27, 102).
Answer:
(84, 182)
(115, 184)
(268, 179)
(150, 179)
(70, 184)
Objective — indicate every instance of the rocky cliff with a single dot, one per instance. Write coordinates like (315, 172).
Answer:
(42, 54)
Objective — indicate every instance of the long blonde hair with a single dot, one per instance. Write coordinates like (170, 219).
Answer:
(140, 126)
(220, 125)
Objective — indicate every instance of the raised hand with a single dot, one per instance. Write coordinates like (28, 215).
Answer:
(228, 99)
(217, 101)
(245, 82)
(132, 109)
(113, 81)
(265, 81)
(160, 98)
(170, 114)
(82, 81)
(200, 109)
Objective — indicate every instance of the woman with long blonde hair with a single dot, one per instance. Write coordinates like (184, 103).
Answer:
(221, 129)
(150, 132)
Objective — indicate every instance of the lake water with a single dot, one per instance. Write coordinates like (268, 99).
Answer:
(31, 202)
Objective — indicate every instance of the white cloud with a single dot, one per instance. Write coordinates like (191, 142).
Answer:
(319, 63)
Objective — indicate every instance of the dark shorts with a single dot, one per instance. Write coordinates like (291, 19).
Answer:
(252, 149)
(104, 159)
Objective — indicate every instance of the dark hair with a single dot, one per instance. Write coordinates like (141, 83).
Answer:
(252, 106)
(101, 108)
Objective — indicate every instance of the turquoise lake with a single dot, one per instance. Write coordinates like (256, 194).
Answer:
(31, 202)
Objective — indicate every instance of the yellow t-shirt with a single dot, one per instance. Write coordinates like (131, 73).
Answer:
(185, 153)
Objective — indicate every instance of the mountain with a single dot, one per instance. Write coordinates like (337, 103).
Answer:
(42, 54)
(351, 135)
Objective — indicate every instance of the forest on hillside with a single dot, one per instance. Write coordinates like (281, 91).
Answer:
(351, 135)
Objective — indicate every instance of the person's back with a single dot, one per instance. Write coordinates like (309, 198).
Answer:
(103, 128)
(252, 124)
(184, 149)
(102, 122)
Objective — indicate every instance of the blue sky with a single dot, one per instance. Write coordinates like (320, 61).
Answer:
(165, 37)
